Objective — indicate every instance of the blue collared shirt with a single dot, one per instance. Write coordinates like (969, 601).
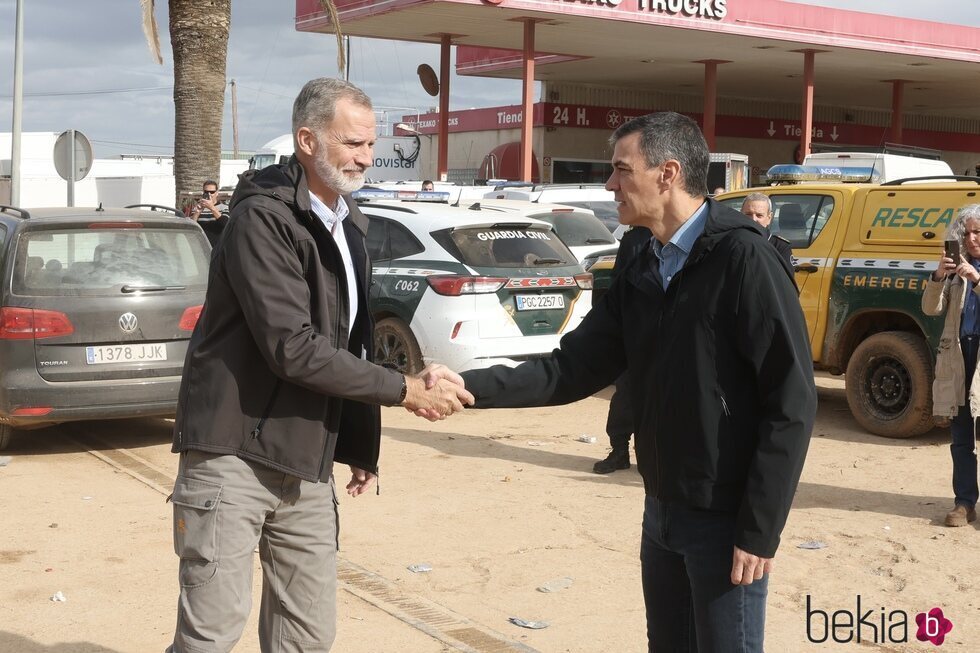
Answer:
(672, 256)
(970, 321)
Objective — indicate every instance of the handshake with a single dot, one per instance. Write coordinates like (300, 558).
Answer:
(435, 393)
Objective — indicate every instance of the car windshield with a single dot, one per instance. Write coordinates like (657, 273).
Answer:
(577, 229)
(510, 247)
(606, 211)
(104, 261)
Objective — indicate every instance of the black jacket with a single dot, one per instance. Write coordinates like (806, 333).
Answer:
(631, 244)
(270, 373)
(719, 370)
(782, 246)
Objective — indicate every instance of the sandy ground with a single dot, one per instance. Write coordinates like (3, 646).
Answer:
(498, 503)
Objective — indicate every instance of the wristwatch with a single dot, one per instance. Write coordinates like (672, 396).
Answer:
(404, 391)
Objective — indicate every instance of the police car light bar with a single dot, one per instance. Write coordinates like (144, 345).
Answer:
(368, 194)
(796, 174)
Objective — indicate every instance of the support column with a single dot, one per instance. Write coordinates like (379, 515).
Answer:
(710, 99)
(806, 117)
(527, 113)
(898, 96)
(443, 156)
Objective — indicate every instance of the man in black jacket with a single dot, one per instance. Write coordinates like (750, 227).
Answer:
(619, 419)
(278, 384)
(758, 206)
(708, 328)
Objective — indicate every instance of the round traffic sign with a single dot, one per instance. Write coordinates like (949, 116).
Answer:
(63, 155)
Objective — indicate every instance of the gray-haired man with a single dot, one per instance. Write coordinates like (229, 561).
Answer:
(278, 384)
(758, 206)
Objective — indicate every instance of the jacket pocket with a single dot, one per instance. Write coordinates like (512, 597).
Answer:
(196, 519)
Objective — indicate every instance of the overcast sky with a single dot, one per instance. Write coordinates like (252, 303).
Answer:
(87, 66)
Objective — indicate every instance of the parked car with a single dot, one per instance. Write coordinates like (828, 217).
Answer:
(593, 197)
(96, 308)
(468, 288)
(579, 229)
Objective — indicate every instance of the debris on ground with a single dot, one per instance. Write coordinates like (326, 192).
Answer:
(524, 623)
(811, 544)
(556, 585)
(420, 568)
(59, 597)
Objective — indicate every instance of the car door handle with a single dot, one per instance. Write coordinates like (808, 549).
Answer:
(806, 267)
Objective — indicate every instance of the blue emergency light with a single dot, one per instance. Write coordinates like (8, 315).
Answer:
(368, 194)
(790, 173)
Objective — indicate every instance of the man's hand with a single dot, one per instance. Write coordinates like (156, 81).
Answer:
(747, 568)
(946, 267)
(436, 393)
(360, 481)
(207, 204)
(967, 271)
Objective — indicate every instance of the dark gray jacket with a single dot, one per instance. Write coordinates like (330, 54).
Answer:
(270, 374)
(719, 373)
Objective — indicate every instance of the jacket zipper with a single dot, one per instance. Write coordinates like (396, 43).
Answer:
(257, 431)
(326, 439)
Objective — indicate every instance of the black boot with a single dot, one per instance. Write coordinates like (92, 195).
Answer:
(617, 459)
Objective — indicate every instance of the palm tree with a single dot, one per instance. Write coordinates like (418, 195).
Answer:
(199, 38)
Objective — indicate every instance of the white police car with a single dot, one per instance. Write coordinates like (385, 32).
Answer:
(466, 288)
(578, 228)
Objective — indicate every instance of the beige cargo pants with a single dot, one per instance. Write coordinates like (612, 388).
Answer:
(224, 507)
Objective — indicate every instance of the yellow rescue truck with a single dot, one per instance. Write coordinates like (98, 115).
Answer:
(862, 253)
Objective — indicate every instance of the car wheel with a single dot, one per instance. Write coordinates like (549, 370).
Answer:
(5, 432)
(395, 346)
(889, 385)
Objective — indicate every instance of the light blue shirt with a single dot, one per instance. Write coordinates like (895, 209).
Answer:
(672, 256)
(333, 220)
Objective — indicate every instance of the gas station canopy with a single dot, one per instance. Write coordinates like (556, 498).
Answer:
(663, 45)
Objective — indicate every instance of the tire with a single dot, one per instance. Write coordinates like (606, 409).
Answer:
(889, 385)
(5, 432)
(395, 346)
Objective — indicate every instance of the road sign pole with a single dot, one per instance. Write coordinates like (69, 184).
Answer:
(71, 167)
(15, 155)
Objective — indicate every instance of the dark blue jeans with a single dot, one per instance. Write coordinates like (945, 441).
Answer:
(691, 604)
(964, 436)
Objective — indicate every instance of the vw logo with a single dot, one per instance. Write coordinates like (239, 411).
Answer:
(128, 322)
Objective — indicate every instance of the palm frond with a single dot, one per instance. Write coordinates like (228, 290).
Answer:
(150, 30)
(331, 9)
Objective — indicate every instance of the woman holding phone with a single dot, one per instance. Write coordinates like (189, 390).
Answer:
(954, 288)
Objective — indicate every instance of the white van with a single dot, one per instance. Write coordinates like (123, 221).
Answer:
(883, 166)
(396, 158)
(593, 197)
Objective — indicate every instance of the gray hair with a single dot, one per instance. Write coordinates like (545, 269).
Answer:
(957, 228)
(667, 135)
(758, 197)
(315, 105)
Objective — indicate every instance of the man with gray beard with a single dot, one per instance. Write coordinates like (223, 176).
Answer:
(278, 385)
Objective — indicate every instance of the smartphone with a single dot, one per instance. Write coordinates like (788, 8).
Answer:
(952, 248)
